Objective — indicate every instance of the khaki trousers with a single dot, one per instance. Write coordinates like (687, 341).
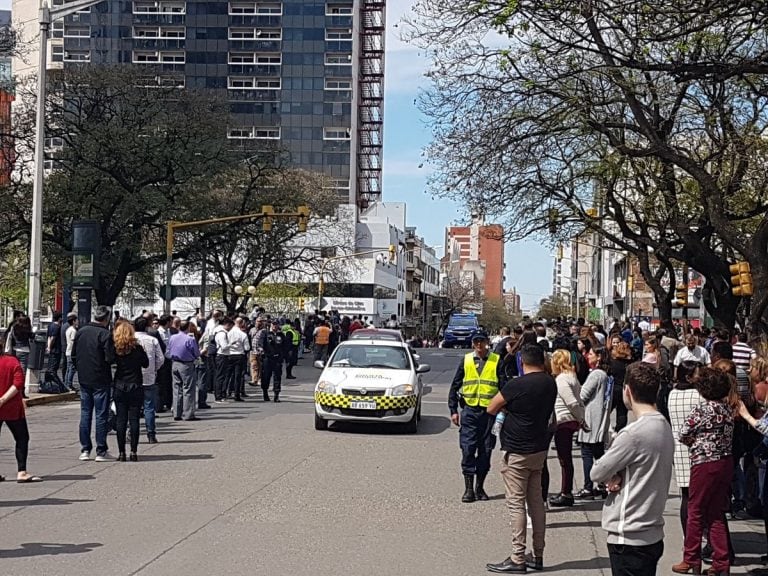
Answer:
(255, 368)
(522, 481)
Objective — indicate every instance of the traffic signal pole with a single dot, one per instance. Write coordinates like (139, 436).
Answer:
(267, 213)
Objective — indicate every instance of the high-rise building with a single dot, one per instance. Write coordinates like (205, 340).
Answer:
(306, 76)
(480, 249)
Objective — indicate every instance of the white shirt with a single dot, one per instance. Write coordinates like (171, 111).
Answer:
(238, 341)
(154, 352)
(69, 335)
(698, 354)
(644, 325)
(221, 337)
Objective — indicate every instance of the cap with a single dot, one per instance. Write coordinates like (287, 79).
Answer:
(479, 336)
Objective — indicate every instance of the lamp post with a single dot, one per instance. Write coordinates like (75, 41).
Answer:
(46, 16)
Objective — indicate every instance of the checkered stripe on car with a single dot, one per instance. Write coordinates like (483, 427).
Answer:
(382, 402)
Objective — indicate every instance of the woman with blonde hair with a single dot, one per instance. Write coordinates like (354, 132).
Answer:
(569, 412)
(129, 386)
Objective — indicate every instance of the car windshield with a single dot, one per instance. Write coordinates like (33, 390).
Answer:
(371, 356)
(463, 322)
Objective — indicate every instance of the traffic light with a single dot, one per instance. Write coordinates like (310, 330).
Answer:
(553, 216)
(266, 223)
(303, 217)
(741, 279)
(559, 251)
(392, 253)
(301, 303)
(681, 293)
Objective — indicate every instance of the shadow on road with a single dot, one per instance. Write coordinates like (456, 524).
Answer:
(221, 418)
(430, 425)
(48, 549)
(39, 502)
(591, 564)
(169, 457)
(68, 477)
(192, 441)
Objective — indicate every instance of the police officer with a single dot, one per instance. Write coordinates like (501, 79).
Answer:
(293, 349)
(276, 346)
(477, 380)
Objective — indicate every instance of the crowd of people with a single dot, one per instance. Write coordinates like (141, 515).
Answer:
(698, 400)
(125, 369)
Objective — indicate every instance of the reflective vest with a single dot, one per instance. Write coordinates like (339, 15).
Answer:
(323, 335)
(289, 330)
(478, 389)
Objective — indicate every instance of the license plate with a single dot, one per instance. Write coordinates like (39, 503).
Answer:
(362, 405)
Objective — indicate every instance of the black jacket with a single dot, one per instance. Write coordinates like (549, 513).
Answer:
(93, 354)
(275, 344)
(128, 375)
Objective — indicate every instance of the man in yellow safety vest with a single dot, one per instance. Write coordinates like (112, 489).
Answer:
(477, 380)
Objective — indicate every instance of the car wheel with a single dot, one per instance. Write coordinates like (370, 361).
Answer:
(412, 426)
(418, 411)
(320, 423)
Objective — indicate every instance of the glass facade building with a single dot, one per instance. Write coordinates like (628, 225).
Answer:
(305, 75)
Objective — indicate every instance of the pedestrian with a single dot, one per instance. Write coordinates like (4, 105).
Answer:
(743, 353)
(708, 431)
(529, 402)
(221, 341)
(156, 359)
(293, 349)
(322, 339)
(682, 399)
(53, 349)
(130, 359)
(597, 396)
(93, 353)
(621, 358)
(692, 351)
(637, 470)
(17, 342)
(569, 411)
(477, 380)
(69, 335)
(208, 354)
(183, 351)
(12, 412)
(275, 346)
(238, 349)
(164, 378)
(257, 354)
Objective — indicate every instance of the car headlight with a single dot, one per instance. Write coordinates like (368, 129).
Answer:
(326, 387)
(403, 390)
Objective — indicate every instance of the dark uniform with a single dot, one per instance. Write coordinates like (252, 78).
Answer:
(473, 392)
(276, 346)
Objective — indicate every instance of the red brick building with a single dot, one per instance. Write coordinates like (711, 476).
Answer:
(481, 248)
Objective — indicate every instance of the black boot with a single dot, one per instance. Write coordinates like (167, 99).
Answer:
(277, 396)
(152, 439)
(479, 490)
(266, 396)
(469, 490)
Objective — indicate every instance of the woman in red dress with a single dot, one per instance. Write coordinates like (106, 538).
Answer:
(12, 411)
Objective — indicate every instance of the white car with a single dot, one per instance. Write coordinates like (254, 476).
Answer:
(370, 381)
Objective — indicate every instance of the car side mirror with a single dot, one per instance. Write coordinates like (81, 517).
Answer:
(416, 357)
(319, 364)
(423, 368)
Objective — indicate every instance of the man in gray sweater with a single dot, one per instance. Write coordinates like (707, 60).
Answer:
(637, 470)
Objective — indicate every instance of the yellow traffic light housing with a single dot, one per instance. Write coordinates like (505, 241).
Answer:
(303, 217)
(268, 219)
(392, 253)
(741, 279)
(301, 303)
(681, 294)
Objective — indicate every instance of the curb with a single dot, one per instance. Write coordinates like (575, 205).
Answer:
(41, 399)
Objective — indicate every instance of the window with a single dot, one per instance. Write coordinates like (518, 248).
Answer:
(145, 57)
(269, 59)
(173, 33)
(272, 9)
(77, 56)
(251, 83)
(57, 53)
(242, 33)
(338, 59)
(338, 9)
(54, 142)
(269, 133)
(171, 81)
(240, 133)
(254, 58)
(57, 29)
(333, 84)
(338, 34)
(146, 32)
(77, 32)
(255, 132)
(336, 133)
(242, 8)
(172, 57)
(145, 7)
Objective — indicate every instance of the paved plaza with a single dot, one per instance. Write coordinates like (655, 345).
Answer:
(252, 489)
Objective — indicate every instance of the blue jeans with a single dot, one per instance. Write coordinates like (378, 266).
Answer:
(69, 378)
(150, 397)
(94, 400)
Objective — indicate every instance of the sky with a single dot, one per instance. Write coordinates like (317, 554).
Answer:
(529, 264)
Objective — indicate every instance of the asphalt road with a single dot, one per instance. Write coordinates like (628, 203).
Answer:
(253, 489)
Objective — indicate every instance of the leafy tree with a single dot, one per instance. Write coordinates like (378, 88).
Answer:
(495, 315)
(650, 113)
(552, 307)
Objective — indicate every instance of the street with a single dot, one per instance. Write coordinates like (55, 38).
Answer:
(253, 489)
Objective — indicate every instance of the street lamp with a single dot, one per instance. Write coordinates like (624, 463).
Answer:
(46, 16)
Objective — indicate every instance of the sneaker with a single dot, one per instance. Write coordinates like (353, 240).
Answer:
(85, 455)
(106, 457)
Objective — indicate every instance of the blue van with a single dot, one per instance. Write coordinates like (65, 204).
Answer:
(459, 331)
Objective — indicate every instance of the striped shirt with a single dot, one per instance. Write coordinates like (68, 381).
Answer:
(743, 355)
